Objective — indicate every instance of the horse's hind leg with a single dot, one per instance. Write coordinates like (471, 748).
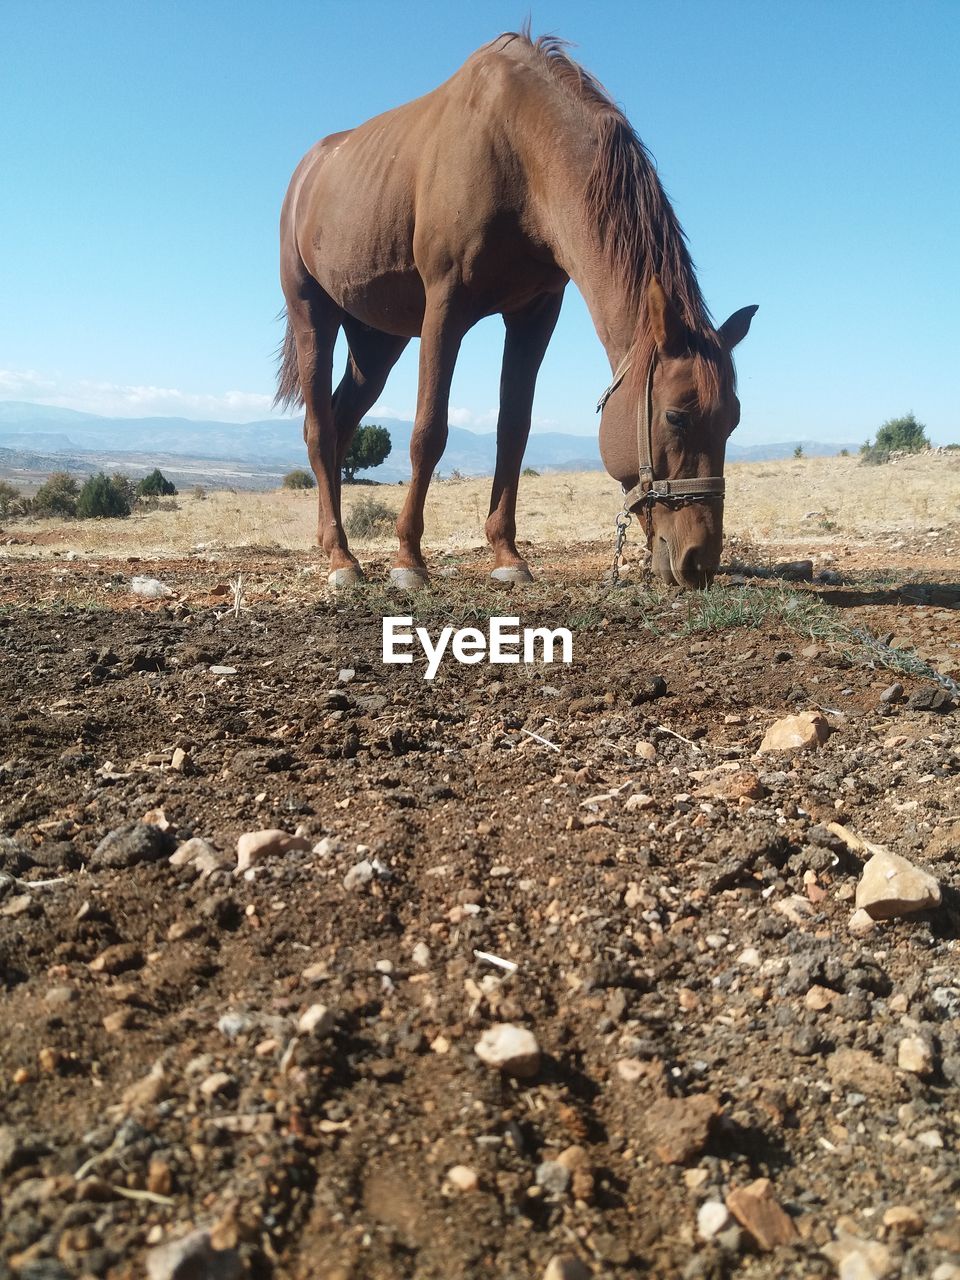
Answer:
(528, 333)
(316, 320)
(372, 355)
(446, 319)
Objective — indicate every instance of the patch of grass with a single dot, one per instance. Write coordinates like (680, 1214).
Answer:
(368, 518)
(722, 608)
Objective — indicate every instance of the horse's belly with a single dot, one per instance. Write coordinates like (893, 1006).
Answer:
(391, 301)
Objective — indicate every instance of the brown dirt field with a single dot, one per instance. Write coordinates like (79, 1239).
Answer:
(705, 1015)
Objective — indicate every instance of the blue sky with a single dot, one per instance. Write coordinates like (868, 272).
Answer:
(809, 148)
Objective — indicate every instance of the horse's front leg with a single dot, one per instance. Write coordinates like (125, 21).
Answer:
(528, 333)
(445, 321)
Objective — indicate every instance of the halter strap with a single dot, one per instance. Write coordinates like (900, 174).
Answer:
(648, 490)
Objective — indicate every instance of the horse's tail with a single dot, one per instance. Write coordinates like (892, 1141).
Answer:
(289, 392)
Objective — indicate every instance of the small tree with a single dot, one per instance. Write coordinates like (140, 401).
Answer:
(370, 446)
(156, 485)
(101, 497)
(124, 486)
(798, 451)
(57, 497)
(298, 479)
(905, 434)
(10, 500)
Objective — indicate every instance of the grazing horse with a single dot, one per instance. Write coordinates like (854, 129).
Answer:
(487, 195)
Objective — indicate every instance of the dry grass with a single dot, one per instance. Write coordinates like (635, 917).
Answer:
(767, 502)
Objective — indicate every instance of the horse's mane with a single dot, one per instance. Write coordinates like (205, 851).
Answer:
(638, 231)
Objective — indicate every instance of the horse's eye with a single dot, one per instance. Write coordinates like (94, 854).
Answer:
(677, 419)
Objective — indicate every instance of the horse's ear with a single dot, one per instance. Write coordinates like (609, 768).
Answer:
(668, 330)
(735, 329)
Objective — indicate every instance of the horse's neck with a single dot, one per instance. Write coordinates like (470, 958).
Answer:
(574, 240)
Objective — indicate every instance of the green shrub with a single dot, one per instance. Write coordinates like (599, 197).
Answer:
(125, 487)
(532, 472)
(798, 451)
(100, 497)
(298, 479)
(897, 435)
(156, 485)
(368, 517)
(905, 434)
(370, 446)
(56, 497)
(11, 503)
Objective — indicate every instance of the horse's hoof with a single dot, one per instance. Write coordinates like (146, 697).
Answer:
(340, 579)
(514, 574)
(409, 579)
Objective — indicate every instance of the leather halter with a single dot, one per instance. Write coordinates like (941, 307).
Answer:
(648, 490)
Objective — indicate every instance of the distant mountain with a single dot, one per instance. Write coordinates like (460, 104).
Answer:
(66, 436)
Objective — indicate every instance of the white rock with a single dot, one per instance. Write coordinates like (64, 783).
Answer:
(149, 588)
(931, 1139)
(198, 853)
(749, 958)
(893, 886)
(712, 1217)
(553, 1177)
(192, 1256)
(233, 1024)
(857, 1259)
(509, 1048)
(462, 1178)
(566, 1266)
(254, 847)
(360, 873)
(915, 1055)
(421, 955)
(317, 1021)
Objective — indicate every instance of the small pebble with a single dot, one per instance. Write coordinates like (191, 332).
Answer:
(566, 1266)
(511, 1049)
(712, 1217)
(553, 1177)
(915, 1055)
(317, 1021)
(462, 1178)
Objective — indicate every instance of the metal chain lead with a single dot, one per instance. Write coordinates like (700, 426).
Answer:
(623, 521)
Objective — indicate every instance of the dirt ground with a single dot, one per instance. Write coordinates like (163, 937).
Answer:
(677, 908)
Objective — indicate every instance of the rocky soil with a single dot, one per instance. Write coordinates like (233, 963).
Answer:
(545, 971)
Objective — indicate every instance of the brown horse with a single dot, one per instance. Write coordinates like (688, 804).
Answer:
(487, 195)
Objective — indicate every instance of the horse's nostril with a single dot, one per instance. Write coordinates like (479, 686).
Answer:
(693, 569)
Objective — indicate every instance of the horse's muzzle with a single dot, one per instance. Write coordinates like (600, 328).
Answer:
(692, 567)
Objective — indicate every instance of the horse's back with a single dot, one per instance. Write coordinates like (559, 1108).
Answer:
(378, 210)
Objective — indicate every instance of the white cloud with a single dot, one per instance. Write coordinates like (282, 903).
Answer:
(458, 417)
(115, 399)
(380, 410)
(132, 401)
